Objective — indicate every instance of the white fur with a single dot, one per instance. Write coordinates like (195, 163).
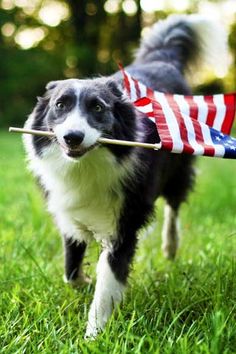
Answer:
(170, 232)
(86, 196)
(108, 294)
(213, 43)
(211, 36)
(75, 121)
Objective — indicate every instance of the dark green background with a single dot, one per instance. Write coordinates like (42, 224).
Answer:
(89, 42)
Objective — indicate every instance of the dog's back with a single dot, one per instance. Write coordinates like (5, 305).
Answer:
(109, 192)
(179, 44)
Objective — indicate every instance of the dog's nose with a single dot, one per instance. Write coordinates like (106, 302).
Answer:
(74, 138)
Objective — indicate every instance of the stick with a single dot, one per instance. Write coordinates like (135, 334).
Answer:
(156, 146)
(31, 131)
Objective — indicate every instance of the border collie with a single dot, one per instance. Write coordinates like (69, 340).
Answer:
(106, 192)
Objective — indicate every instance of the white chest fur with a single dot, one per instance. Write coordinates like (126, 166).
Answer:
(85, 197)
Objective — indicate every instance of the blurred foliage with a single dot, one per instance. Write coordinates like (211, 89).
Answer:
(55, 39)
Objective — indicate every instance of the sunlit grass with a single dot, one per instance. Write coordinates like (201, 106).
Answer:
(183, 307)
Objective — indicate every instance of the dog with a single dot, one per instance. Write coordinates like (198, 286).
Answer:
(107, 192)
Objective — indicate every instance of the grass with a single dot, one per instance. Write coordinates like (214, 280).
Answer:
(187, 306)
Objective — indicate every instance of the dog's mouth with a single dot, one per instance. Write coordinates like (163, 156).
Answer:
(76, 153)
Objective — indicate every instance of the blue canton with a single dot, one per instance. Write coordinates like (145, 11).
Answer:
(225, 141)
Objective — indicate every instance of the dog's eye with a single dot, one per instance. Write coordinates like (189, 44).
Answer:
(98, 108)
(60, 105)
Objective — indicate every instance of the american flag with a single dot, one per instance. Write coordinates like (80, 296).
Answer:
(197, 125)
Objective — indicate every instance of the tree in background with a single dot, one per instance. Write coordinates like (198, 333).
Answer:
(55, 39)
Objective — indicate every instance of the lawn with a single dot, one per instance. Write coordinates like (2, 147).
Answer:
(186, 306)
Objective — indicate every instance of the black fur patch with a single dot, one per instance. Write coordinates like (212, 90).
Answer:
(40, 112)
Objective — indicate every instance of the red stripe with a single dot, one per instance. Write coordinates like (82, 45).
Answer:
(126, 81)
(161, 124)
(193, 107)
(127, 84)
(230, 103)
(137, 89)
(211, 110)
(144, 101)
(194, 114)
(187, 148)
(208, 149)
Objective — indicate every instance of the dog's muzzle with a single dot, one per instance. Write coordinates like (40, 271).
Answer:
(72, 144)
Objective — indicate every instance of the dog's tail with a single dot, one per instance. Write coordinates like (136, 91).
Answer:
(187, 41)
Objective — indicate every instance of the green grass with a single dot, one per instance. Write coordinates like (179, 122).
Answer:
(187, 306)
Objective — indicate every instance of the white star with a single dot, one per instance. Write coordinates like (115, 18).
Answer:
(218, 138)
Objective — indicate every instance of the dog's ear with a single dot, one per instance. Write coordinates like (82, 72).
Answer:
(52, 84)
(115, 88)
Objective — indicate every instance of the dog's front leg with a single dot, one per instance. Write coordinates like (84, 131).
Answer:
(112, 274)
(74, 253)
(108, 294)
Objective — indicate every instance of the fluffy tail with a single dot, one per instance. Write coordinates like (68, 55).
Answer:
(187, 41)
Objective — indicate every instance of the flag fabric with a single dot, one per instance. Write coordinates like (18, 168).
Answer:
(197, 125)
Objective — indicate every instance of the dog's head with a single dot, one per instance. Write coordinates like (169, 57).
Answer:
(79, 112)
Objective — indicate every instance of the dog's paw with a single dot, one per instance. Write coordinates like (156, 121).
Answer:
(76, 283)
(91, 332)
(97, 319)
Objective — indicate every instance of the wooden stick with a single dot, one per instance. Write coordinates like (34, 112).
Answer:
(31, 131)
(156, 146)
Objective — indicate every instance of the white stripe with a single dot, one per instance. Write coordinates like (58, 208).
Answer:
(201, 105)
(182, 104)
(142, 87)
(145, 109)
(219, 149)
(207, 136)
(143, 90)
(220, 111)
(202, 108)
(132, 90)
(171, 122)
(198, 149)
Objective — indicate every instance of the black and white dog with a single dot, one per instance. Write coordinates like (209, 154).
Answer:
(106, 192)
